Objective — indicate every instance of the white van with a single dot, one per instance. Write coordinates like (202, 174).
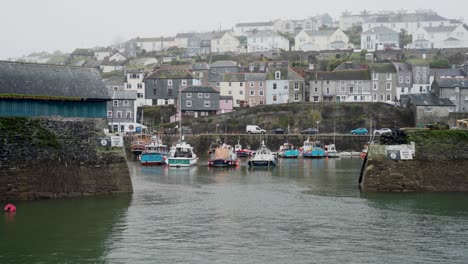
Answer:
(252, 129)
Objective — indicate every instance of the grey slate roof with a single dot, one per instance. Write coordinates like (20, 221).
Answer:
(219, 64)
(115, 80)
(350, 75)
(83, 52)
(255, 24)
(422, 17)
(170, 73)
(426, 99)
(255, 77)
(292, 75)
(440, 29)
(199, 89)
(320, 32)
(51, 80)
(351, 65)
(447, 72)
(184, 35)
(123, 95)
(403, 67)
(379, 30)
(382, 67)
(199, 66)
(452, 83)
(234, 77)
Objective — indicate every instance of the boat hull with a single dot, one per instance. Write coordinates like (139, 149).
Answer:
(181, 162)
(153, 159)
(223, 163)
(261, 163)
(289, 154)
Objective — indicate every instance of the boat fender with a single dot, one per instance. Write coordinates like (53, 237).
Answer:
(9, 208)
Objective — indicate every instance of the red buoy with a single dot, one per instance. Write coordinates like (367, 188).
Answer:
(10, 208)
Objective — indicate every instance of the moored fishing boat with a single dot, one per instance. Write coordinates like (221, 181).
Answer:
(288, 151)
(312, 149)
(331, 152)
(182, 155)
(263, 158)
(223, 156)
(246, 152)
(155, 153)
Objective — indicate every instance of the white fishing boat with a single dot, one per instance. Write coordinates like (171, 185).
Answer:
(263, 157)
(182, 155)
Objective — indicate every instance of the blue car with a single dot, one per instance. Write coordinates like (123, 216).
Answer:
(360, 131)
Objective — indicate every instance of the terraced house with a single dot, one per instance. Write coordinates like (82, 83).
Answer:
(233, 85)
(384, 79)
(199, 101)
(163, 85)
(283, 85)
(339, 86)
(255, 89)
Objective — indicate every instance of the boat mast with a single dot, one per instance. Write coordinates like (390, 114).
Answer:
(180, 114)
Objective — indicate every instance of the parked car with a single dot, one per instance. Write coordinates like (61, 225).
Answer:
(279, 131)
(309, 131)
(382, 131)
(253, 129)
(360, 131)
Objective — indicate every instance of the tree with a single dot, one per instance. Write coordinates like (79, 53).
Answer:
(405, 38)
(354, 34)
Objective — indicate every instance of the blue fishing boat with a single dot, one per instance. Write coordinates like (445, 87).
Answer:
(288, 151)
(313, 149)
(154, 154)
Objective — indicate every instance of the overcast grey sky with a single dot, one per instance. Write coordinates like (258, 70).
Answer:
(47, 25)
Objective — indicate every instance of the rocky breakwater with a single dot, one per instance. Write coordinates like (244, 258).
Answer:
(58, 158)
(437, 162)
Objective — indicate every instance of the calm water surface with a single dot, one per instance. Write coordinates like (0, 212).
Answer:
(303, 211)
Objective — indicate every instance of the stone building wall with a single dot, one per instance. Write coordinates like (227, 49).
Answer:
(58, 158)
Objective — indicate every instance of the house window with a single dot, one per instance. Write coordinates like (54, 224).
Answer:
(328, 82)
(316, 89)
(188, 103)
(343, 89)
(261, 102)
(115, 103)
(389, 97)
(375, 76)
(119, 114)
(277, 75)
(188, 95)
(389, 86)
(169, 82)
(408, 79)
(420, 89)
(274, 98)
(140, 85)
(169, 92)
(316, 98)
(328, 90)
(285, 87)
(389, 76)
(375, 86)
(184, 82)
(230, 92)
(207, 95)
(128, 114)
(451, 109)
(229, 84)
(241, 84)
(109, 114)
(274, 85)
(155, 91)
(155, 82)
(129, 86)
(260, 84)
(251, 84)
(428, 109)
(359, 89)
(296, 97)
(252, 93)
(400, 79)
(241, 92)
(260, 93)
(126, 103)
(381, 97)
(217, 84)
(207, 104)
(200, 95)
(351, 89)
(296, 86)
(342, 82)
(375, 97)
(140, 95)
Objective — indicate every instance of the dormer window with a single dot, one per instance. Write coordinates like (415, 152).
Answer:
(251, 67)
(262, 67)
(169, 82)
(277, 75)
(184, 82)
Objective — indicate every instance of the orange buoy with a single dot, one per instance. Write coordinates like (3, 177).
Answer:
(10, 208)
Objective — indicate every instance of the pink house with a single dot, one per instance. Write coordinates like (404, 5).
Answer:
(255, 87)
(225, 104)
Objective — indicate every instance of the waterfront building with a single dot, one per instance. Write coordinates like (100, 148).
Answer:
(121, 110)
(233, 85)
(454, 89)
(51, 90)
(384, 80)
(255, 88)
(334, 39)
(134, 81)
(427, 108)
(404, 78)
(199, 101)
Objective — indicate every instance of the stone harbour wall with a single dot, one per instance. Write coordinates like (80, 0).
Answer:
(439, 164)
(58, 158)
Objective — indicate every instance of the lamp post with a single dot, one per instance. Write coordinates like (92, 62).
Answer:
(217, 125)
(318, 122)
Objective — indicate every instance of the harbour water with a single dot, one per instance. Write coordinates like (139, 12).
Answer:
(302, 211)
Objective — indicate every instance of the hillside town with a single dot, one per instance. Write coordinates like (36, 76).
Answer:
(414, 59)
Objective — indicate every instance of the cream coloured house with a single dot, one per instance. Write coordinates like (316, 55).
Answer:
(267, 40)
(317, 40)
(224, 42)
(233, 85)
(440, 37)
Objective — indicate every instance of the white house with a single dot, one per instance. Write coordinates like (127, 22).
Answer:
(224, 41)
(102, 54)
(293, 26)
(117, 57)
(181, 39)
(155, 44)
(266, 40)
(242, 29)
(380, 38)
(317, 40)
(134, 82)
(440, 37)
(411, 22)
